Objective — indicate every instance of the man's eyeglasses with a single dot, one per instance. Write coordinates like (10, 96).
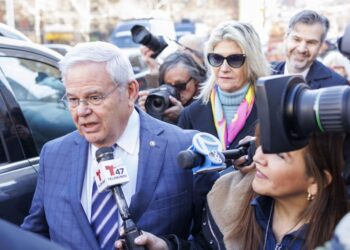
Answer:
(234, 60)
(94, 100)
(180, 86)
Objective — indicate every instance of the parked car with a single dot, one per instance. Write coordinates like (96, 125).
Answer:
(58, 47)
(10, 32)
(30, 115)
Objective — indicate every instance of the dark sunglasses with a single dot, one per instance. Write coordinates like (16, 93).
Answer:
(180, 86)
(234, 60)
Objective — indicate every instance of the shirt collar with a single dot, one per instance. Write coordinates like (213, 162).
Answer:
(128, 141)
(304, 73)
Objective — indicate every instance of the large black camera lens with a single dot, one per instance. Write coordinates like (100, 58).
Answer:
(142, 36)
(289, 111)
(158, 100)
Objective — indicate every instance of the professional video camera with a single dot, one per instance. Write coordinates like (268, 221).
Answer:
(158, 100)
(289, 111)
(142, 36)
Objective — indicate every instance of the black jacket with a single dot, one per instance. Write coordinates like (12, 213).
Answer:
(319, 76)
(199, 116)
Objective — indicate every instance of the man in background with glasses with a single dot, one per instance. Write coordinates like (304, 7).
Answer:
(100, 94)
(306, 32)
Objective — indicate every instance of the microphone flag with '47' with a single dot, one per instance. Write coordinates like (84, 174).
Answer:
(205, 154)
(110, 173)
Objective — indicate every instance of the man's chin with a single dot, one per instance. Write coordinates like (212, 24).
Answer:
(298, 67)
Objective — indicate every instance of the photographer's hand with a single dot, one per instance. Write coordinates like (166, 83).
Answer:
(152, 64)
(172, 114)
(143, 94)
(244, 163)
(148, 240)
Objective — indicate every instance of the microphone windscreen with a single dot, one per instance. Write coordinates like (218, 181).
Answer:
(188, 159)
(103, 152)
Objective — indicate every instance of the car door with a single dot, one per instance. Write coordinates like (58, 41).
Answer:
(17, 175)
(31, 91)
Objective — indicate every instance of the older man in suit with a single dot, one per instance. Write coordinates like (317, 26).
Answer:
(305, 34)
(100, 94)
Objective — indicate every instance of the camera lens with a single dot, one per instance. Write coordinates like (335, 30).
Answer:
(141, 35)
(158, 100)
(158, 104)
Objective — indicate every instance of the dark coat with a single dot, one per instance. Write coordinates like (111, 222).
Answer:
(14, 238)
(199, 116)
(319, 76)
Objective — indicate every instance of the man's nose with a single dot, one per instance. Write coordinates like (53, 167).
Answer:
(83, 108)
(302, 46)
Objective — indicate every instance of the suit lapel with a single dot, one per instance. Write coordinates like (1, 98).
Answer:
(79, 160)
(151, 157)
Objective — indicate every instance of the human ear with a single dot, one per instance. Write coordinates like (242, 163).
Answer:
(329, 177)
(133, 92)
(312, 188)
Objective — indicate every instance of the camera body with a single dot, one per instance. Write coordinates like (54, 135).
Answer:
(142, 36)
(158, 100)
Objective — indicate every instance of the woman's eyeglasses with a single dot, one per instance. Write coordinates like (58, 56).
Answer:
(234, 60)
(180, 86)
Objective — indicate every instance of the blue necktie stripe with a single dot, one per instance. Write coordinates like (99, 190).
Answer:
(105, 224)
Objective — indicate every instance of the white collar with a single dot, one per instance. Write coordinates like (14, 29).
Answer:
(128, 141)
(304, 73)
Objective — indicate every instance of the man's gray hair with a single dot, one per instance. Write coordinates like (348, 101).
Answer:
(309, 17)
(117, 65)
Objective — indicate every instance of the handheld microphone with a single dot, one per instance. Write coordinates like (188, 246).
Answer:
(111, 173)
(204, 155)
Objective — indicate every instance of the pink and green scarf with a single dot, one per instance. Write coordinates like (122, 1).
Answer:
(228, 133)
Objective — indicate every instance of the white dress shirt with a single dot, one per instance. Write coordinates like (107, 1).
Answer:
(304, 73)
(128, 146)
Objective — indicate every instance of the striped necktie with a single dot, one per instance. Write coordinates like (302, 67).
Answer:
(104, 217)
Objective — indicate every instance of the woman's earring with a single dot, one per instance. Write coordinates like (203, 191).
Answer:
(310, 197)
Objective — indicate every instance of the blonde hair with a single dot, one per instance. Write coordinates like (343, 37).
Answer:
(248, 40)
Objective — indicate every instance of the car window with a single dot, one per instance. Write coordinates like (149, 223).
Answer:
(2, 138)
(38, 90)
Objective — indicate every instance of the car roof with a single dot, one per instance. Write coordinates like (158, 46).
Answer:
(10, 32)
(18, 45)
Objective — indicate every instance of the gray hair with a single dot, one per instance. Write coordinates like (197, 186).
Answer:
(117, 65)
(309, 17)
(248, 40)
(195, 70)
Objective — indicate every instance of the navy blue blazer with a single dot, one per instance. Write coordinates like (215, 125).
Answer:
(199, 116)
(163, 202)
(319, 76)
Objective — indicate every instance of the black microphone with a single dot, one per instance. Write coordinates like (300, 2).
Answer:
(187, 159)
(112, 174)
